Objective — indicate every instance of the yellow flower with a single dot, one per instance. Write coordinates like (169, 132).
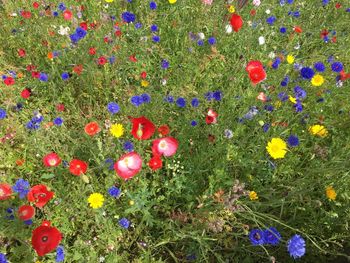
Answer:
(96, 200)
(144, 83)
(231, 9)
(330, 193)
(278, 104)
(318, 130)
(317, 80)
(290, 59)
(117, 130)
(292, 99)
(277, 148)
(109, 1)
(172, 1)
(253, 195)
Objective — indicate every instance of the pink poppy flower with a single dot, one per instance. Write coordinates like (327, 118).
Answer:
(165, 146)
(211, 117)
(207, 2)
(128, 165)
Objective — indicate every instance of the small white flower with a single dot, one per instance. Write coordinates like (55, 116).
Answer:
(272, 55)
(164, 82)
(261, 40)
(228, 29)
(201, 35)
(63, 30)
(339, 84)
(256, 2)
(268, 11)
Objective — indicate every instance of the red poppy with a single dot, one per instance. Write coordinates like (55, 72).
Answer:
(164, 130)
(26, 14)
(344, 76)
(338, 5)
(142, 128)
(165, 146)
(77, 167)
(155, 163)
(25, 94)
(26, 212)
(51, 160)
(78, 69)
(9, 81)
(128, 165)
(92, 128)
(67, 14)
(133, 58)
(262, 97)
(36, 74)
(21, 52)
(39, 195)
(60, 107)
(236, 22)
(102, 60)
(5, 191)
(334, 39)
(298, 29)
(30, 67)
(253, 12)
(324, 33)
(92, 51)
(211, 117)
(143, 74)
(36, 5)
(84, 26)
(256, 72)
(118, 33)
(45, 239)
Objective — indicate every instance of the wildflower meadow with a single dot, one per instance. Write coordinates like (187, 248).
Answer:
(174, 131)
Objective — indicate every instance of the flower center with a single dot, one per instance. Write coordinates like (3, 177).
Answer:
(163, 145)
(44, 238)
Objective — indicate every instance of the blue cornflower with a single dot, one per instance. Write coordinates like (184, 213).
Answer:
(21, 187)
(37, 118)
(154, 28)
(28, 222)
(298, 106)
(65, 75)
(200, 42)
(217, 95)
(290, 1)
(270, 20)
(319, 66)
(138, 25)
(181, 102)
(114, 191)
(307, 73)
(60, 254)
(282, 2)
(276, 63)
(125, 223)
(61, 6)
(128, 146)
(325, 2)
(299, 92)
(58, 121)
(266, 127)
(80, 32)
(110, 163)
(256, 237)
(193, 123)
(209, 95)
(195, 102)
(269, 108)
(153, 5)
(330, 59)
(165, 64)
(337, 66)
(296, 246)
(136, 100)
(3, 258)
(128, 17)
(2, 114)
(228, 133)
(32, 125)
(293, 141)
(74, 38)
(146, 98)
(169, 98)
(272, 236)
(285, 81)
(55, 13)
(111, 59)
(212, 41)
(113, 107)
(43, 77)
(283, 30)
(296, 14)
(156, 39)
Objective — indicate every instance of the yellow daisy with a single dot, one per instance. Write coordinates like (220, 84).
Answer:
(318, 130)
(96, 200)
(277, 148)
(253, 195)
(317, 80)
(144, 83)
(290, 59)
(117, 130)
(330, 193)
(231, 9)
(172, 1)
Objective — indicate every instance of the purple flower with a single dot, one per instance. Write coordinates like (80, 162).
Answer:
(128, 146)
(337, 67)
(165, 64)
(58, 121)
(21, 187)
(272, 236)
(114, 191)
(256, 237)
(195, 102)
(128, 17)
(125, 223)
(113, 107)
(293, 141)
(60, 254)
(153, 5)
(307, 73)
(181, 102)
